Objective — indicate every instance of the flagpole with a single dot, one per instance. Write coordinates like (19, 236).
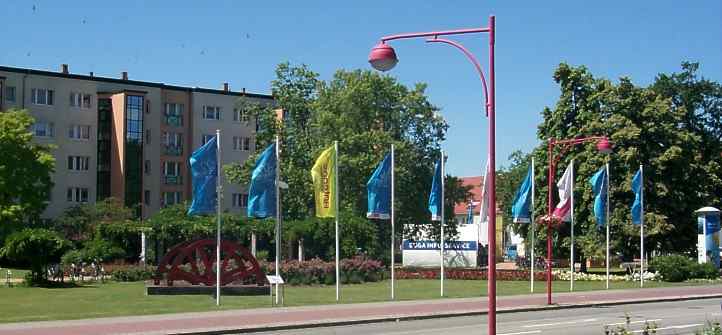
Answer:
(335, 196)
(218, 217)
(392, 222)
(442, 222)
(278, 215)
(571, 215)
(532, 225)
(607, 223)
(641, 221)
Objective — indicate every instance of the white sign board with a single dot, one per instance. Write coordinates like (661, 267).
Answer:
(462, 252)
(275, 280)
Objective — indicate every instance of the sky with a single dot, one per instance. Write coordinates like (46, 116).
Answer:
(206, 43)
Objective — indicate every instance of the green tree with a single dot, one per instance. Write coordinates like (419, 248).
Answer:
(645, 128)
(37, 248)
(364, 111)
(25, 172)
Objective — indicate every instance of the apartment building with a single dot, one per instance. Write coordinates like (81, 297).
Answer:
(128, 139)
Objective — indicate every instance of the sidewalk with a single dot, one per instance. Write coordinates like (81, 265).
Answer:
(298, 317)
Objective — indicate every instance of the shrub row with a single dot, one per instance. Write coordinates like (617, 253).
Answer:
(315, 271)
(128, 273)
(677, 268)
(464, 274)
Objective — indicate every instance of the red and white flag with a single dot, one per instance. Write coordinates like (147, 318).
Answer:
(565, 185)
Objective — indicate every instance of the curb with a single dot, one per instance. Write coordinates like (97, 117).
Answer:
(331, 323)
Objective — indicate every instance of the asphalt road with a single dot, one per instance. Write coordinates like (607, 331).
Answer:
(681, 317)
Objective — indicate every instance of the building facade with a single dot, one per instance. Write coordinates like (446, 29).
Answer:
(127, 139)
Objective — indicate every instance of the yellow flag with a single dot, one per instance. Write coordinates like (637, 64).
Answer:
(324, 183)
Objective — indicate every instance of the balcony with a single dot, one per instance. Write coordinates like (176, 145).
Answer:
(173, 180)
(173, 150)
(174, 120)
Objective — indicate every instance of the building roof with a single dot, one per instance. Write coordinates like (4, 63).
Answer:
(130, 82)
(475, 183)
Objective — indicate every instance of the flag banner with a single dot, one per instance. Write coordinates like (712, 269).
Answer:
(599, 187)
(637, 205)
(379, 191)
(485, 192)
(324, 183)
(435, 195)
(563, 209)
(470, 211)
(520, 210)
(204, 174)
(262, 190)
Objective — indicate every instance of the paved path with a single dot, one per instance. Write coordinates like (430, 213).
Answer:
(291, 317)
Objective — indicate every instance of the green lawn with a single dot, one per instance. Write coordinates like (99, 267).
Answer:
(117, 299)
(15, 274)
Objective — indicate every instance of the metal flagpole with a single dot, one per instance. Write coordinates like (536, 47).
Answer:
(571, 216)
(219, 194)
(278, 215)
(607, 223)
(335, 195)
(532, 225)
(393, 240)
(641, 225)
(442, 222)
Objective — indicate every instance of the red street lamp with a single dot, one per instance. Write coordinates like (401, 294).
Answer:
(383, 58)
(603, 146)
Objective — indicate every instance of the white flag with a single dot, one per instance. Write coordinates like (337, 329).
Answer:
(485, 185)
(563, 209)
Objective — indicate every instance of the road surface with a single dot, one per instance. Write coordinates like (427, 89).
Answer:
(679, 317)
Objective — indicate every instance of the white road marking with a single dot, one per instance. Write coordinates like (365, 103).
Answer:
(560, 323)
(624, 323)
(672, 327)
(520, 333)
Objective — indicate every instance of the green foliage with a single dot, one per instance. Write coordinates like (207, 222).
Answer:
(677, 268)
(626, 328)
(315, 271)
(25, 172)
(132, 273)
(365, 112)
(711, 328)
(35, 247)
(650, 126)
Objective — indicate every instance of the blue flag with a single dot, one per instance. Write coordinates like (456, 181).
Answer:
(435, 195)
(262, 191)
(522, 201)
(204, 173)
(637, 205)
(379, 191)
(600, 189)
(470, 212)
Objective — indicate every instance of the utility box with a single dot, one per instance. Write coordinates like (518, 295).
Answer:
(708, 236)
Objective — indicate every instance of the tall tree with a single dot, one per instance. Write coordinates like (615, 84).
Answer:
(25, 171)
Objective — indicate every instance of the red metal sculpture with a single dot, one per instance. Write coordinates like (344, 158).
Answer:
(194, 262)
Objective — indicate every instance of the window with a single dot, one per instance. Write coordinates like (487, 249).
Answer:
(173, 109)
(240, 115)
(240, 200)
(146, 197)
(241, 143)
(10, 93)
(172, 139)
(207, 137)
(80, 100)
(147, 136)
(172, 198)
(146, 166)
(44, 129)
(171, 168)
(211, 112)
(78, 163)
(77, 194)
(41, 96)
(79, 132)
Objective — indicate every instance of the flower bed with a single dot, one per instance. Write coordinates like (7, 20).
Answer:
(465, 274)
(315, 271)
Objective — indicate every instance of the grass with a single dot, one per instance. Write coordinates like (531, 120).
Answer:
(118, 299)
(16, 273)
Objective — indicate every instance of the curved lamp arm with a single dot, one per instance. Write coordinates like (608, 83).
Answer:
(472, 59)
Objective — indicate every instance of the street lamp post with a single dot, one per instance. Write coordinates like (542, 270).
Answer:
(383, 58)
(603, 146)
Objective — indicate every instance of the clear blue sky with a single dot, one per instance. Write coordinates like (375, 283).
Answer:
(205, 43)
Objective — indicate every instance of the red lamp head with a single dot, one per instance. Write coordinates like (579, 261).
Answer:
(604, 146)
(383, 57)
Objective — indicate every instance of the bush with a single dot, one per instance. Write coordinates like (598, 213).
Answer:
(315, 271)
(37, 248)
(132, 273)
(704, 271)
(677, 268)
